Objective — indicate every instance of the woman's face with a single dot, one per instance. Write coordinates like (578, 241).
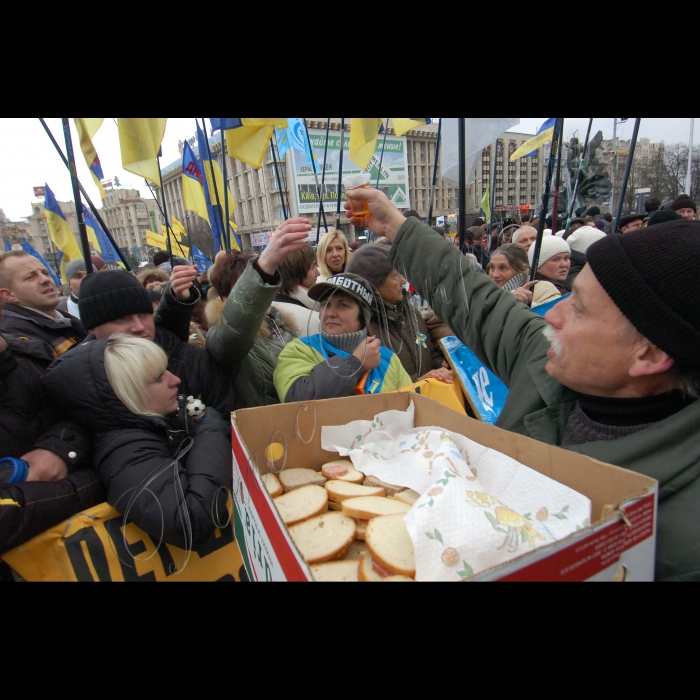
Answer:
(335, 256)
(162, 394)
(500, 269)
(391, 289)
(557, 267)
(311, 277)
(340, 314)
(152, 284)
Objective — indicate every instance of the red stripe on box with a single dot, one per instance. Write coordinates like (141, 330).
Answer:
(596, 553)
(287, 559)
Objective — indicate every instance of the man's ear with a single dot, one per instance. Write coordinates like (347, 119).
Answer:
(7, 295)
(650, 360)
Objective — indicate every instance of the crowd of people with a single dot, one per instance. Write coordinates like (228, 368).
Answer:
(124, 386)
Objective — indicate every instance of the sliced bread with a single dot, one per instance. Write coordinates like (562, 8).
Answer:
(366, 571)
(302, 503)
(272, 484)
(336, 468)
(324, 537)
(368, 507)
(389, 488)
(332, 505)
(296, 478)
(397, 579)
(408, 496)
(390, 544)
(357, 550)
(340, 571)
(338, 491)
(360, 528)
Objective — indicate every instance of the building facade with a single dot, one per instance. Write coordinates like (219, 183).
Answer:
(41, 240)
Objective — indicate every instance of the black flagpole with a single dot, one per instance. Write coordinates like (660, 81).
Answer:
(435, 169)
(277, 175)
(148, 184)
(322, 208)
(164, 210)
(623, 190)
(76, 197)
(340, 171)
(93, 208)
(224, 230)
(462, 224)
(223, 168)
(313, 163)
(557, 183)
(556, 142)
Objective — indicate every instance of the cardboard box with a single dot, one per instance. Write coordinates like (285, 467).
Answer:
(619, 545)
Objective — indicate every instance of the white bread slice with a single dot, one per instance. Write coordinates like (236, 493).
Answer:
(366, 571)
(336, 468)
(324, 537)
(357, 550)
(352, 477)
(272, 484)
(368, 507)
(338, 491)
(397, 579)
(335, 506)
(360, 529)
(296, 478)
(390, 544)
(302, 503)
(389, 488)
(408, 496)
(341, 571)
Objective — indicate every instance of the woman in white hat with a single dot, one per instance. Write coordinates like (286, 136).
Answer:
(555, 261)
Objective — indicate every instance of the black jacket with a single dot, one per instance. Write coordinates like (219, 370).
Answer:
(28, 420)
(170, 475)
(578, 262)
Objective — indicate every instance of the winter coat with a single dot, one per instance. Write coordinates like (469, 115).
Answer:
(302, 309)
(169, 475)
(578, 262)
(243, 337)
(508, 339)
(28, 421)
(305, 374)
(398, 327)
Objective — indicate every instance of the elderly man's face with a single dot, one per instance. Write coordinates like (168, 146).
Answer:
(633, 226)
(590, 353)
(686, 213)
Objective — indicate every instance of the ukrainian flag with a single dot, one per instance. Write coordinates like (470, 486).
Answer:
(87, 128)
(403, 126)
(250, 141)
(192, 185)
(544, 135)
(60, 231)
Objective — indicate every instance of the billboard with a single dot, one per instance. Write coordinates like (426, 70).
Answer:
(393, 179)
(39, 192)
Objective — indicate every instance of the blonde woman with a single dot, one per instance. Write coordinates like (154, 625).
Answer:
(333, 255)
(164, 470)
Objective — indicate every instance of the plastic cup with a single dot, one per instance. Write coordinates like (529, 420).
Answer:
(360, 209)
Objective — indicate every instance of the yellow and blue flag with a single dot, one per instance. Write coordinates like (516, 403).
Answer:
(200, 259)
(225, 124)
(363, 140)
(139, 140)
(486, 203)
(193, 184)
(402, 126)
(529, 148)
(294, 136)
(59, 230)
(250, 141)
(28, 249)
(87, 128)
(104, 245)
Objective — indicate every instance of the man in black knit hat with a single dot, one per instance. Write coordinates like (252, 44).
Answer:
(614, 370)
(685, 207)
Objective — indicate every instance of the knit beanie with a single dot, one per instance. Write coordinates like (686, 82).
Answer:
(75, 266)
(684, 202)
(111, 295)
(372, 263)
(352, 285)
(551, 246)
(98, 262)
(662, 216)
(583, 237)
(593, 211)
(651, 275)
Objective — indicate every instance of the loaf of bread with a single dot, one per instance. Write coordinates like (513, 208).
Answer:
(336, 571)
(338, 491)
(296, 478)
(302, 503)
(388, 488)
(272, 484)
(390, 544)
(368, 507)
(324, 537)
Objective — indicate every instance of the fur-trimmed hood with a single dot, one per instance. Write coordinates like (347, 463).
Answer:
(145, 274)
(215, 308)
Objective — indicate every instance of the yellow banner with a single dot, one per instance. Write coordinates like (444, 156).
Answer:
(533, 144)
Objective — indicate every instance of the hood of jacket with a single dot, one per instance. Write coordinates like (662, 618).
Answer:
(77, 382)
(215, 308)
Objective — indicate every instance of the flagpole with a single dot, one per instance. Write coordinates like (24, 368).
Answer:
(556, 139)
(340, 172)
(435, 169)
(462, 223)
(381, 158)
(582, 161)
(223, 168)
(557, 184)
(164, 210)
(322, 208)
(689, 178)
(93, 208)
(628, 168)
(277, 175)
(148, 184)
(313, 163)
(224, 230)
(76, 197)
(282, 161)
(492, 203)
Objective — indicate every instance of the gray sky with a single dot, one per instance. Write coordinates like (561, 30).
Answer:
(30, 160)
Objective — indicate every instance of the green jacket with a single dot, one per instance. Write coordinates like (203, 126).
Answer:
(243, 338)
(508, 339)
(327, 378)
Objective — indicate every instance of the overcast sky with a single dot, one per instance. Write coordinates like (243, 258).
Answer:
(30, 160)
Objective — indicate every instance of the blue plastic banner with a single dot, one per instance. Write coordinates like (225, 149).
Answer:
(485, 392)
(542, 309)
